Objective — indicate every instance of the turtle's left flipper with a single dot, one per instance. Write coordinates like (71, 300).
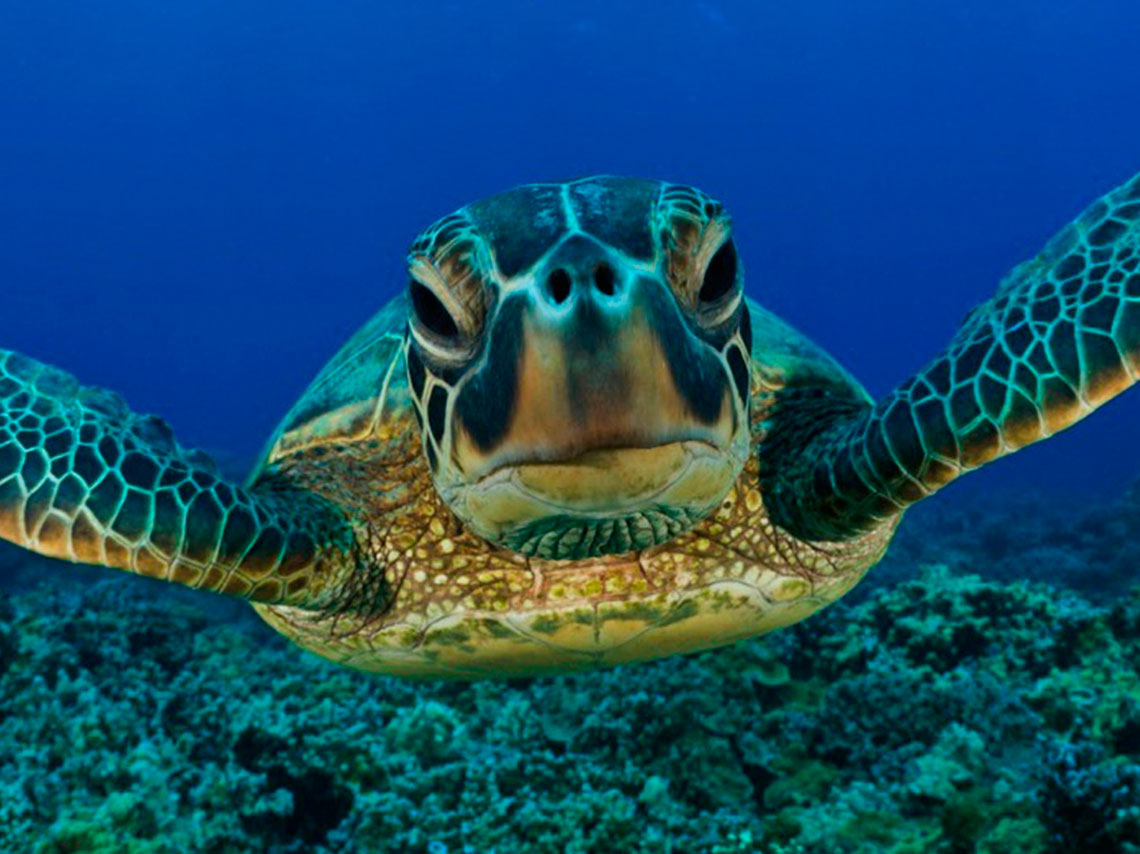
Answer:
(1060, 337)
(85, 479)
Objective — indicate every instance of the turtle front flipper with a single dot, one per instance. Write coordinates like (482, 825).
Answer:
(1060, 337)
(84, 479)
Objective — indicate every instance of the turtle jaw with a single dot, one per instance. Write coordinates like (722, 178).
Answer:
(601, 501)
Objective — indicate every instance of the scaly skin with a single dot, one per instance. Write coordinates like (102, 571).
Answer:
(462, 607)
(84, 479)
(342, 542)
(1059, 338)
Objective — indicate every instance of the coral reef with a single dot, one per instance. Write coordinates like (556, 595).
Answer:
(942, 713)
(1073, 540)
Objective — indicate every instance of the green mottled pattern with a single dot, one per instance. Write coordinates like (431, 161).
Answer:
(1060, 337)
(83, 478)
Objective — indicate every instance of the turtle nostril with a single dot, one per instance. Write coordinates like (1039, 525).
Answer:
(558, 283)
(604, 278)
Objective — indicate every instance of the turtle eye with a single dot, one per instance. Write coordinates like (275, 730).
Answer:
(431, 312)
(720, 274)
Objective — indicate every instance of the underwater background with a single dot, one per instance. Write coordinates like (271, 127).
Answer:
(200, 201)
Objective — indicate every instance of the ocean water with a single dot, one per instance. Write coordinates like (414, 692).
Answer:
(199, 202)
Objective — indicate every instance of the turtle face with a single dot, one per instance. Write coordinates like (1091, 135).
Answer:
(578, 356)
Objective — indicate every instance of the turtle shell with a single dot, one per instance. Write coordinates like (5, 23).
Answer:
(357, 396)
(789, 358)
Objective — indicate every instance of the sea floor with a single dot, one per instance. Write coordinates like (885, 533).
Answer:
(977, 693)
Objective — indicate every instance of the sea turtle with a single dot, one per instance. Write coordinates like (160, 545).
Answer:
(572, 441)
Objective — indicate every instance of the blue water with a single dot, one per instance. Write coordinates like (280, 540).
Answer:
(202, 200)
(199, 202)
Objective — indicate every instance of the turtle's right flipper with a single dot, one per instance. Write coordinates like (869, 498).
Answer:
(84, 479)
(1060, 337)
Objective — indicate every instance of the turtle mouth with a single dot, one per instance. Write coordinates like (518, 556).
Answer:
(648, 492)
(604, 481)
(621, 448)
(623, 454)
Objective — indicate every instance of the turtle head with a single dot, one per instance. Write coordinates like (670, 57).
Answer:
(578, 358)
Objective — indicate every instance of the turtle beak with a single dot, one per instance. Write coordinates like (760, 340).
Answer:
(604, 360)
